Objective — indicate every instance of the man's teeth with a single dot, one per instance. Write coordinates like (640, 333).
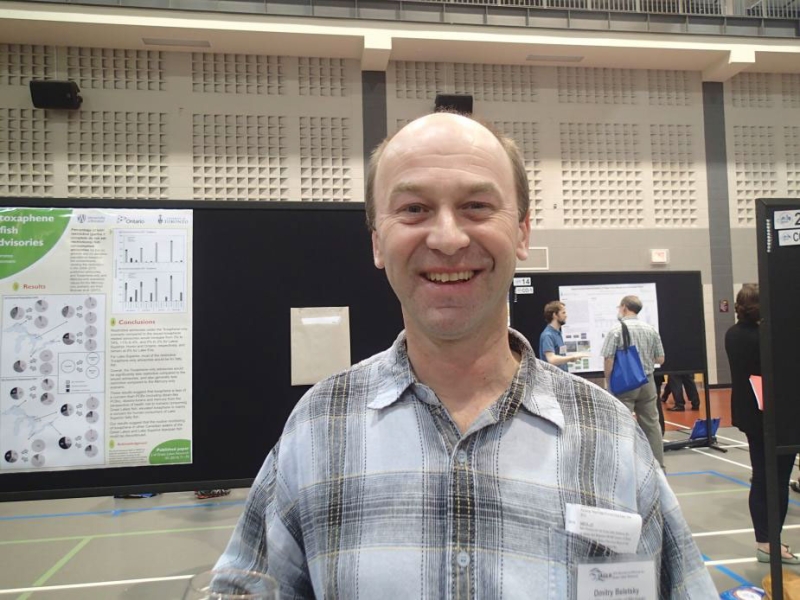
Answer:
(445, 277)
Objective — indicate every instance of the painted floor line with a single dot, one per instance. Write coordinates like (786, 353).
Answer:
(56, 567)
(731, 561)
(116, 535)
(120, 511)
(727, 460)
(77, 586)
(708, 492)
(734, 531)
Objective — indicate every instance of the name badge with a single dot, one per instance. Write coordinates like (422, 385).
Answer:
(562, 350)
(617, 579)
(616, 530)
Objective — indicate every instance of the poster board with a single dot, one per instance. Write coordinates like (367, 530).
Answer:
(778, 223)
(592, 311)
(679, 296)
(252, 263)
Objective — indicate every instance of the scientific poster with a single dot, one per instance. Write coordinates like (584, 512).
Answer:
(95, 338)
(592, 311)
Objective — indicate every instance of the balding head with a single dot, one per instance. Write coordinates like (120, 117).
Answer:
(445, 125)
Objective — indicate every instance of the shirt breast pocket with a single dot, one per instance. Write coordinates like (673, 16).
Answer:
(566, 551)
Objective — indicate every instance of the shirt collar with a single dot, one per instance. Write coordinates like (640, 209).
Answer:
(533, 387)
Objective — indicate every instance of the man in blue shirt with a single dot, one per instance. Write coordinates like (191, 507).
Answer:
(551, 343)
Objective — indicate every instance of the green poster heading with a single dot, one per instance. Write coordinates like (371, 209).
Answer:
(27, 234)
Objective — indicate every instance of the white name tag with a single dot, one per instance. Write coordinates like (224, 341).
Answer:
(616, 530)
(623, 580)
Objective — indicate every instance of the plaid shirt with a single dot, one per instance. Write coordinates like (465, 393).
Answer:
(643, 335)
(372, 491)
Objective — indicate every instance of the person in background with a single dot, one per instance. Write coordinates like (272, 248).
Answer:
(658, 379)
(678, 382)
(643, 400)
(744, 357)
(551, 343)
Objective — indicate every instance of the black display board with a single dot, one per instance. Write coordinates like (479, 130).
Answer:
(778, 235)
(779, 287)
(253, 262)
(680, 310)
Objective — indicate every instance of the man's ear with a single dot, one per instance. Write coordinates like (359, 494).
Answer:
(377, 257)
(524, 236)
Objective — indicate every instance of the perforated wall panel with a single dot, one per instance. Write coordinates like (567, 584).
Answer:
(116, 154)
(790, 90)
(183, 125)
(674, 175)
(104, 68)
(595, 86)
(238, 74)
(495, 83)
(418, 80)
(760, 112)
(791, 136)
(325, 159)
(669, 88)
(525, 134)
(19, 63)
(241, 157)
(26, 152)
(322, 77)
(752, 90)
(590, 165)
(602, 175)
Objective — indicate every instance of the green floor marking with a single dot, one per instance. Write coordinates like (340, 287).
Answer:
(56, 567)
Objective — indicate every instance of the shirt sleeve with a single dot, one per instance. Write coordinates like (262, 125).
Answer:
(665, 534)
(267, 537)
(658, 349)
(610, 342)
(548, 344)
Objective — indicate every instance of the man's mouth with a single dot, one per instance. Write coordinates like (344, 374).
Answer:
(450, 277)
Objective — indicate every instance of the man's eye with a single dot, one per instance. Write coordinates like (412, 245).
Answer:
(414, 208)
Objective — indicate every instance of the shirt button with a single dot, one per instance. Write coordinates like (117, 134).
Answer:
(462, 457)
(463, 559)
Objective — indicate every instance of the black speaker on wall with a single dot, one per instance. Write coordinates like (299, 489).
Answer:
(460, 103)
(55, 94)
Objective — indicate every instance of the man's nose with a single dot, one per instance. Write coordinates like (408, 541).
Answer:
(447, 234)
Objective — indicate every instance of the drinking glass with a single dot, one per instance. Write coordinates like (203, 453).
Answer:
(231, 584)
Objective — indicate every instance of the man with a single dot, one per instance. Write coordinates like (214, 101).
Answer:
(551, 343)
(643, 400)
(442, 467)
(679, 382)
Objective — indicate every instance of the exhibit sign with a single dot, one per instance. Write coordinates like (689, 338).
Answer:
(95, 338)
(592, 310)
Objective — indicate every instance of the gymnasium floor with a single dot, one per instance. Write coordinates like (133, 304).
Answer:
(148, 548)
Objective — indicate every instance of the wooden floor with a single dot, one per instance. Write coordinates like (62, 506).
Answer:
(720, 401)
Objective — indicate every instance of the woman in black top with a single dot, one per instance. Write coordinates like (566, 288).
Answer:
(742, 347)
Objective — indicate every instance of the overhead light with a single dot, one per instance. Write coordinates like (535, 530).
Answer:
(172, 42)
(553, 58)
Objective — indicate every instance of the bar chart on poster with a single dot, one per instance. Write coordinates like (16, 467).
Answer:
(150, 271)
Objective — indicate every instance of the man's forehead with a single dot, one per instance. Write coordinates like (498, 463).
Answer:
(443, 132)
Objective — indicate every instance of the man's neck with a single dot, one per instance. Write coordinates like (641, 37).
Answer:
(466, 375)
(555, 325)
